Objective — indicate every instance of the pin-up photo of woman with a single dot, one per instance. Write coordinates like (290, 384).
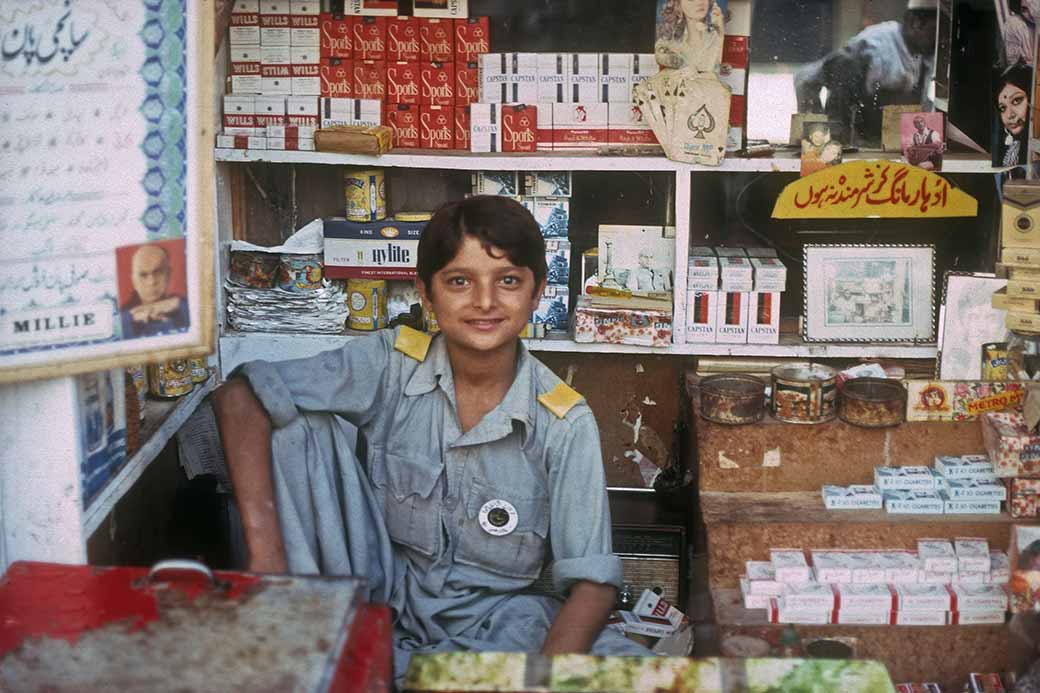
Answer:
(689, 34)
(1011, 97)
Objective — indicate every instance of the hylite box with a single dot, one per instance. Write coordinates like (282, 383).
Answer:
(937, 555)
(910, 502)
(790, 565)
(963, 466)
(854, 497)
(770, 274)
(701, 314)
(371, 250)
(763, 318)
(731, 322)
(910, 478)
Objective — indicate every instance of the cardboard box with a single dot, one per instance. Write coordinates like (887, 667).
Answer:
(404, 120)
(579, 126)
(1022, 322)
(472, 39)
(508, 77)
(976, 489)
(921, 618)
(921, 597)
(625, 125)
(437, 82)
(937, 555)
(462, 127)
(770, 274)
(467, 85)
(336, 35)
(244, 35)
(702, 273)
(370, 79)
(403, 83)
(972, 554)
(735, 274)
(245, 60)
(867, 567)
(436, 40)
(369, 42)
(914, 477)
(732, 321)
(371, 250)
(372, 8)
(402, 39)
(302, 111)
(979, 598)
(305, 28)
(701, 316)
(337, 77)
(763, 318)
(779, 614)
(305, 71)
(615, 78)
(854, 497)
(495, 183)
(239, 111)
(336, 111)
(963, 466)
(1020, 215)
(552, 77)
(1020, 257)
(1026, 288)
(437, 127)
(548, 183)
(866, 597)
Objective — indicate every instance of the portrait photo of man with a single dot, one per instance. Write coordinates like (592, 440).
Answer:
(151, 289)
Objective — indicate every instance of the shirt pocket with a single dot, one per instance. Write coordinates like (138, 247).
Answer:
(519, 554)
(411, 508)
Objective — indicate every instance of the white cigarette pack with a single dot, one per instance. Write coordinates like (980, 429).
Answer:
(976, 488)
(999, 567)
(270, 110)
(735, 274)
(790, 566)
(937, 555)
(751, 599)
(923, 597)
(832, 567)
(972, 554)
(244, 35)
(508, 77)
(731, 322)
(702, 274)
(977, 618)
(626, 125)
(781, 614)
(581, 125)
(643, 625)
(764, 318)
(931, 577)
(291, 131)
(908, 478)
(644, 66)
(701, 316)
(871, 597)
(921, 617)
(770, 274)
(900, 566)
(759, 570)
(251, 7)
(239, 111)
(966, 506)
(854, 497)
(963, 466)
(344, 111)
(552, 77)
(867, 567)
(972, 578)
(863, 617)
(615, 78)
(920, 502)
(651, 605)
(583, 78)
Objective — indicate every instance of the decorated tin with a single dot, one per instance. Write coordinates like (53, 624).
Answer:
(300, 272)
(199, 369)
(367, 298)
(169, 379)
(872, 402)
(733, 398)
(804, 393)
(413, 216)
(994, 361)
(139, 378)
(258, 270)
(365, 193)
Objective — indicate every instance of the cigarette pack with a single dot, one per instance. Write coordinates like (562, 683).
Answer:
(270, 110)
(336, 34)
(650, 604)
(832, 567)
(335, 111)
(615, 78)
(764, 318)
(472, 38)
(625, 125)
(968, 506)
(552, 77)
(245, 60)
(451, 9)
(782, 614)
(863, 617)
(979, 597)
(495, 183)
(643, 625)
(241, 142)
(999, 567)
(467, 83)
(239, 111)
(976, 489)
(701, 316)
(403, 119)
(735, 274)
(246, 84)
(402, 39)
(972, 554)
(337, 77)
(579, 125)
(751, 599)
(928, 577)
(963, 466)
(759, 570)
(245, 13)
(505, 77)
(371, 250)
(244, 132)
(274, 23)
(305, 71)
(437, 127)
(731, 323)
(921, 617)
(702, 274)
(937, 555)
(387, 8)
(490, 132)
(867, 567)
(644, 66)
(544, 130)
(558, 261)
(770, 274)
(305, 26)
(766, 587)
(369, 42)
(462, 127)
(923, 597)
(292, 132)
(302, 111)
(900, 566)
(437, 81)
(402, 83)
(854, 497)
(978, 617)
(972, 578)
(436, 40)
(922, 502)
(552, 215)
(548, 183)
(910, 478)
(790, 566)
(244, 34)
(552, 308)
(370, 79)
(582, 78)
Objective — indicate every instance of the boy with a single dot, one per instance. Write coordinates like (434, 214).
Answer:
(480, 460)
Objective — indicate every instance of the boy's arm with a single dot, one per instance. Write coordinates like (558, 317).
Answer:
(581, 618)
(245, 431)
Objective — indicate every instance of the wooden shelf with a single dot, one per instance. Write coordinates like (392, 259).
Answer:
(781, 162)
(162, 419)
(807, 506)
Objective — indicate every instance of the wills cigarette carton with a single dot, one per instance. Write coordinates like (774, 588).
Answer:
(270, 110)
(437, 127)
(922, 502)
(462, 127)
(735, 274)
(244, 35)
(305, 71)
(337, 77)
(404, 120)
(472, 38)
(752, 600)
(370, 79)
(371, 250)
(579, 125)
(239, 111)
(832, 567)
(290, 144)
(963, 466)
(808, 595)
(467, 83)
(302, 111)
(245, 14)
(246, 84)
(972, 554)
(979, 598)
(701, 316)
(437, 40)
(702, 273)
(763, 318)
(274, 23)
(770, 274)
(305, 29)
(245, 60)
(403, 83)
(625, 125)
(937, 555)
(908, 478)
(875, 597)
(789, 565)
(336, 36)
(856, 496)
(976, 489)
(919, 597)
(292, 132)
(615, 78)
(969, 506)
(369, 41)
(731, 322)
(402, 39)
(437, 82)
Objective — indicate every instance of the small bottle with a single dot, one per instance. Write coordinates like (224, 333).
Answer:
(625, 602)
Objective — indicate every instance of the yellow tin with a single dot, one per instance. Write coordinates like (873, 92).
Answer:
(413, 216)
(365, 193)
(367, 299)
(199, 369)
(170, 379)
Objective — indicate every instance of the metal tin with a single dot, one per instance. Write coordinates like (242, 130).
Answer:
(365, 193)
(300, 272)
(139, 377)
(413, 216)
(367, 300)
(994, 361)
(258, 270)
(169, 379)
(872, 402)
(804, 393)
(199, 369)
(732, 398)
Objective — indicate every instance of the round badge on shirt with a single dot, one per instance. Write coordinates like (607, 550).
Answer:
(498, 517)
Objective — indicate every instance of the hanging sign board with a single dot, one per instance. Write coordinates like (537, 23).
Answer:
(106, 176)
(873, 189)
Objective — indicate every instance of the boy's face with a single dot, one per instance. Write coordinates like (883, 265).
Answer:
(482, 302)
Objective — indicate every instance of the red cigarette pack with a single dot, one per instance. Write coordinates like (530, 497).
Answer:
(370, 79)
(370, 38)
(337, 77)
(402, 38)
(337, 36)
(436, 127)
(519, 128)
(403, 119)
(467, 86)
(436, 40)
(402, 82)
(472, 39)
(462, 127)
(438, 84)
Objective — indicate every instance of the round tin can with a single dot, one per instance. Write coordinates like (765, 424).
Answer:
(169, 379)
(258, 270)
(733, 398)
(365, 193)
(300, 272)
(199, 369)
(367, 300)
(804, 393)
(872, 402)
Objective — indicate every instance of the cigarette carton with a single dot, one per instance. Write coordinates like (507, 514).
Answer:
(370, 79)
(963, 466)
(867, 567)
(403, 119)
(781, 614)
(337, 77)
(245, 60)
(336, 111)
(760, 252)
(305, 71)
(644, 66)
(643, 625)
(900, 566)
(244, 35)
(905, 502)
(625, 125)
(937, 555)
(403, 83)
(552, 77)
(239, 111)
(615, 78)
(402, 39)
(854, 497)
(808, 596)
(369, 41)
(928, 577)
(789, 565)
(770, 274)
(979, 598)
(731, 323)
(975, 578)
(553, 308)
(923, 597)
(735, 274)
(244, 132)
(650, 604)
(548, 183)
(976, 489)
(702, 274)
(921, 618)
(245, 13)
(436, 40)
(977, 618)
(972, 554)
(462, 127)
(764, 318)
(758, 571)
(999, 567)
(909, 478)
(274, 23)
(722, 251)
(832, 567)
(969, 506)
(472, 38)
(866, 597)
(582, 78)
(437, 81)
(467, 83)
(305, 28)
(751, 599)
(371, 250)
(270, 110)
(495, 183)
(302, 111)
(863, 617)
(579, 125)
(246, 84)
(290, 143)
(437, 127)
(336, 36)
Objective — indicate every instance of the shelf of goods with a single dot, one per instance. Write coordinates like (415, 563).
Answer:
(759, 488)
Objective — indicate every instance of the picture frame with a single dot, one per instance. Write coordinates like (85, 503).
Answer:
(868, 293)
(967, 320)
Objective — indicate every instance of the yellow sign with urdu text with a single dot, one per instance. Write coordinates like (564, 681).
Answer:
(868, 189)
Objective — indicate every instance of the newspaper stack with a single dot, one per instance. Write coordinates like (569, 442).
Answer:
(321, 310)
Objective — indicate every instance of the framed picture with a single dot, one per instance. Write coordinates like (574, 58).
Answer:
(869, 293)
(967, 320)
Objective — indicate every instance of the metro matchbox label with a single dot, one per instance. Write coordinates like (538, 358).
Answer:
(373, 250)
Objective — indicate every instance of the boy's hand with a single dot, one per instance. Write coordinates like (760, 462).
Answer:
(581, 618)
(274, 564)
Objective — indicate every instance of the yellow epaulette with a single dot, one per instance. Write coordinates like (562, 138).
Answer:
(412, 342)
(560, 400)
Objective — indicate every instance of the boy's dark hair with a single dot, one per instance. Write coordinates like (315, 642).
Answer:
(494, 221)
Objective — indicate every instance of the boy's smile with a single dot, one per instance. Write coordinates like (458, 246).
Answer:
(482, 301)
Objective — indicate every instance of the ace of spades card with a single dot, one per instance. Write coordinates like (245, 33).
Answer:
(689, 114)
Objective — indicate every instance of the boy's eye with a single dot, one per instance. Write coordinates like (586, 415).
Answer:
(456, 281)
(511, 280)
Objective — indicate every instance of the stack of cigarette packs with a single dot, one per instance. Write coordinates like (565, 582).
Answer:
(943, 583)
(733, 295)
(1020, 256)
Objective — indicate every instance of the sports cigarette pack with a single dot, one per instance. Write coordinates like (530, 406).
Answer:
(790, 565)
(911, 478)
(856, 496)
(963, 466)
(937, 555)
(913, 502)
